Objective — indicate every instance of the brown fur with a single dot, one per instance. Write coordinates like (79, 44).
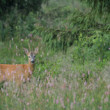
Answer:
(17, 73)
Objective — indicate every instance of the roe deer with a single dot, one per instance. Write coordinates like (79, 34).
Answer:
(19, 72)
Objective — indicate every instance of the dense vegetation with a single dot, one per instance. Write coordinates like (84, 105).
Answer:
(99, 5)
(22, 5)
(72, 68)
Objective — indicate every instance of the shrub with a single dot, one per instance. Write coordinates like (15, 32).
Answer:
(94, 47)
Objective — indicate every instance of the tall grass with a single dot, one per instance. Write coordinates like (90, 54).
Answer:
(59, 81)
(63, 92)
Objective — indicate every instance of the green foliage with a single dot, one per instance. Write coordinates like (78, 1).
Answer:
(77, 23)
(16, 25)
(59, 33)
(79, 52)
(93, 47)
(99, 5)
(101, 44)
(56, 39)
(26, 5)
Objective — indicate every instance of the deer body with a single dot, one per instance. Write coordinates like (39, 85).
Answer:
(19, 72)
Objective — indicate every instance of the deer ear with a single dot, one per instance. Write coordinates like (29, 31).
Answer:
(36, 50)
(26, 51)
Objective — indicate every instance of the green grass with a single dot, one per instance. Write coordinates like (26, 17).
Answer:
(57, 82)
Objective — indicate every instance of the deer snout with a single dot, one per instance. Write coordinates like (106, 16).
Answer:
(32, 61)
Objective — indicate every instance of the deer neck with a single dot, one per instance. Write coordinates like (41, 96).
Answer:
(31, 66)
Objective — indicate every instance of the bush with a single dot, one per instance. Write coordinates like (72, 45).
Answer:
(92, 48)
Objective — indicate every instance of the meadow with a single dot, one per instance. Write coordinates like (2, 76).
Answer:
(72, 68)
